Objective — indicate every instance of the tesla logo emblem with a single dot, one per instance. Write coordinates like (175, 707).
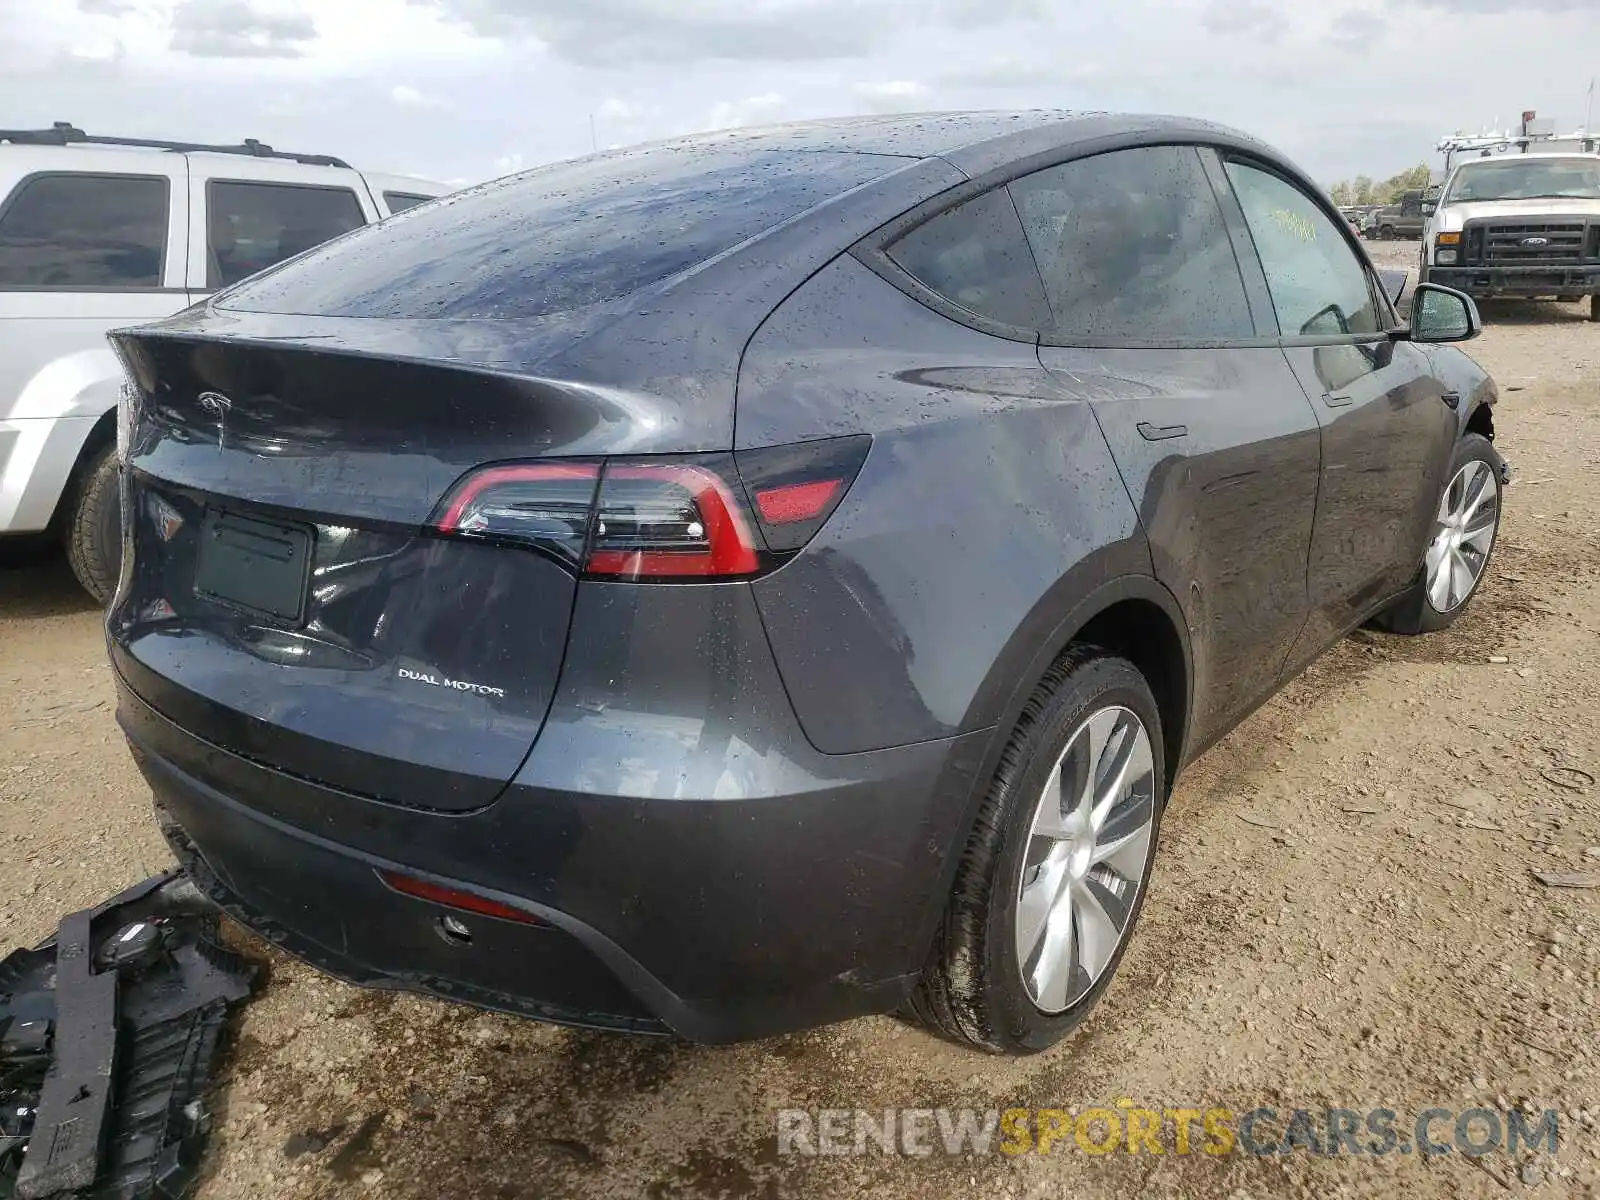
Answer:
(218, 406)
(1535, 243)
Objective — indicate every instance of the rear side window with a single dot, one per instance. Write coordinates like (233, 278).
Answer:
(1319, 287)
(1132, 246)
(84, 231)
(563, 237)
(252, 226)
(975, 255)
(400, 201)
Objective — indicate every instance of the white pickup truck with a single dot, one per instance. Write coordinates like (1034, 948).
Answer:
(99, 232)
(1523, 225)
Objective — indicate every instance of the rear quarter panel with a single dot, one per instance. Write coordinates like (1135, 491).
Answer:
(988, 502)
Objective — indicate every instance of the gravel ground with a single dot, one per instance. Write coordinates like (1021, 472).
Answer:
(1343, 912)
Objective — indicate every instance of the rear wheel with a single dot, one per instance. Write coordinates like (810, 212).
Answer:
(1386, 233)
(1464, 530)
(1594, 307)
(93, 532)
(1054, 874)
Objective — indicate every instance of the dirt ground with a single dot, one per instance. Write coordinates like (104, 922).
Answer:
(1343, 913)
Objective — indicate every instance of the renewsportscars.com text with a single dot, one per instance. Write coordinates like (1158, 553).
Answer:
(1126, 1128)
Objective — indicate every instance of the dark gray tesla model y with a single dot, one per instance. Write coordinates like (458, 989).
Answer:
(743, 582)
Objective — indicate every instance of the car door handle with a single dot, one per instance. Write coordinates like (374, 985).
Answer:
(1452, 400)
(1341, 401)
(1160, 433)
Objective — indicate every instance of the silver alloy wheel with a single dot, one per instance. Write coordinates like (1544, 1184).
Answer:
(1463, 535)
(1085, 858)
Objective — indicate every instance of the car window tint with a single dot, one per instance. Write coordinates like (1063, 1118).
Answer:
(84, 231)
(1132, 245)
(976, 255)
(400, 201)
(1319, 286)
(252, 226)
(563, 237)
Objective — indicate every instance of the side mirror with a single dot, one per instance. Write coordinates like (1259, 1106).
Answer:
(1441, 314)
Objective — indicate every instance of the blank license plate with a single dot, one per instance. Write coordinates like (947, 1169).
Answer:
(257, 565)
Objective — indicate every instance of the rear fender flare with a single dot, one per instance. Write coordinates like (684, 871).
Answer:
(1052, 626)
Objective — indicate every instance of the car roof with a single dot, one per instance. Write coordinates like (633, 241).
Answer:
(974, 141)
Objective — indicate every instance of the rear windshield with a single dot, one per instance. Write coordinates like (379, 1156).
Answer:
(561, 237)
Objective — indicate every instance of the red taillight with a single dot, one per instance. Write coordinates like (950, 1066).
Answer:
(797, 502)
(681, 519)
(669, 519)
(456, 898)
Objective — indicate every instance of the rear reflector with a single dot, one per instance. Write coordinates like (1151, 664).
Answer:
(455, 898)
(795, 488)
(797, 501)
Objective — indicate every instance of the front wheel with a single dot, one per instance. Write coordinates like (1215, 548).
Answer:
(1386, 234)
(1054, 873)
(93, 532)
(1594, 307)
(1464, 530)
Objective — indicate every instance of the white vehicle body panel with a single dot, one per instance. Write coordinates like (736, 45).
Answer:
(59, 380)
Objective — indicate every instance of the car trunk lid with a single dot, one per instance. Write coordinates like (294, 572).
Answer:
(283, 597)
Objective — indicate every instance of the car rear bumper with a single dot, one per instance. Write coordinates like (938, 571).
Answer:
(806, 894)
(1519, 281)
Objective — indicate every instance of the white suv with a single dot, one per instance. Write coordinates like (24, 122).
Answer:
(97, 233)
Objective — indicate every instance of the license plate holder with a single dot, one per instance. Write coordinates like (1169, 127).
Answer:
(255, 565)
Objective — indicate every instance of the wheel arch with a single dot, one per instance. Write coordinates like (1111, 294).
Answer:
(1481, 420)
(1131, 615)
(102, 434)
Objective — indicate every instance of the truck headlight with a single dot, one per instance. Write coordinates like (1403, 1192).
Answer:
(1445, 258)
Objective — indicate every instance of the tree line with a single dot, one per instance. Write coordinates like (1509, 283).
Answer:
(1362, 190)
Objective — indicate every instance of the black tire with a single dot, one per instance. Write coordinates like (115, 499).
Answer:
(1386, 233)
(972, 989)
(93, 529)
(1594, 307)
(1414, 611)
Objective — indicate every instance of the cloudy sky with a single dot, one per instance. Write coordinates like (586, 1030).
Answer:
(467, 89)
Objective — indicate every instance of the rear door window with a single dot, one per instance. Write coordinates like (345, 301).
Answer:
(1319, 286)
(975, 255)
(252, 226)
(1133, 247)
(82, 231)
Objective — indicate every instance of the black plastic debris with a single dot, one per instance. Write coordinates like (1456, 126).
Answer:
(107, 1036)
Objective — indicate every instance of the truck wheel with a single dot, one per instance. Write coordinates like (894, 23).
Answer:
(1386, 233)
(1594, 307)
(93, 532)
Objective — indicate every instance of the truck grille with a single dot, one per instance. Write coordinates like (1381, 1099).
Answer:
(1528, 243)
